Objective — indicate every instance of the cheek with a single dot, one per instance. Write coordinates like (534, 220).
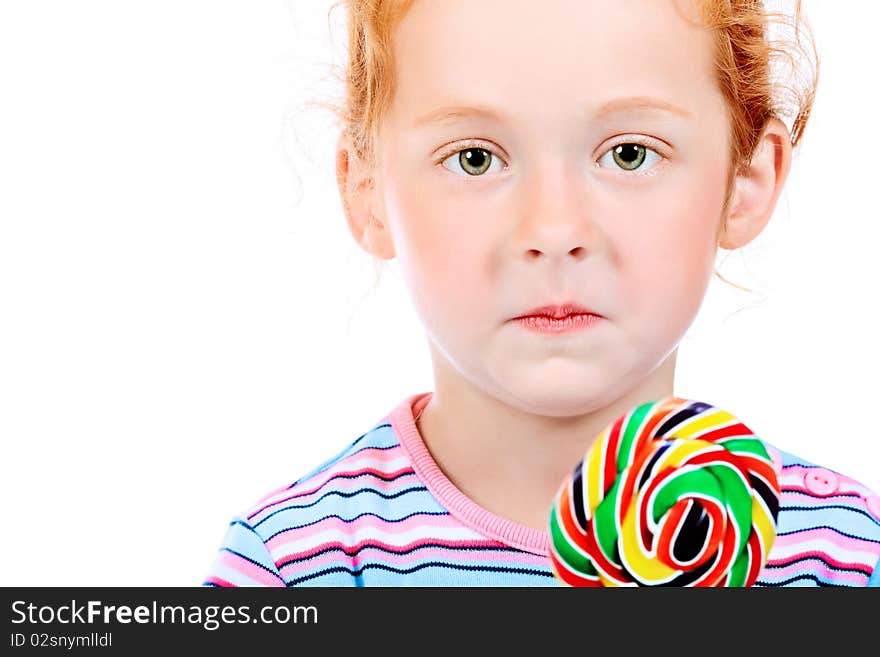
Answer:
(666, 271)
(441, 245)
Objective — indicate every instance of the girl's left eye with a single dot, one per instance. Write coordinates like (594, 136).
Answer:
(630, 156)
(473, 161)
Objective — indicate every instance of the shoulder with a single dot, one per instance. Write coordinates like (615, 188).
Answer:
(308, 532)
(828, 528)
(372, 461)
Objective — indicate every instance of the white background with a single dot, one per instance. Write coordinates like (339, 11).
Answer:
(186, 323)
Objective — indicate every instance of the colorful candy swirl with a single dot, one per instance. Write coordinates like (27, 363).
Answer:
(674, 493)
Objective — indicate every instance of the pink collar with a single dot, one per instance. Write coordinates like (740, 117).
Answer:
(457, 503)
(470, 513)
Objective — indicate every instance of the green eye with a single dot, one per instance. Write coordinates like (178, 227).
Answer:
(629, 156)
(473, 161)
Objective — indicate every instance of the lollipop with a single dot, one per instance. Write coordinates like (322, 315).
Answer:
(673, 493)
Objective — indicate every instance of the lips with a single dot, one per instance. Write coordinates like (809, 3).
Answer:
(559, 311)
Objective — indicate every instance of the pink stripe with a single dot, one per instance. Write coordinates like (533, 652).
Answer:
(296, 493)
(444, 554)
(375, 543)
(375, 454)
(249, 569)
(839, 540)
(373, 554)
(218, 581)
(346, 474)
(827, 558)
(817, 568)
(420, 521)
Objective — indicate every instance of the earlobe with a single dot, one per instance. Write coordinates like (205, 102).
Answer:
(360, 203)
(757, 188)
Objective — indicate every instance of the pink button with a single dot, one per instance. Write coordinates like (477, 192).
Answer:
(820, 481)
(873, 503)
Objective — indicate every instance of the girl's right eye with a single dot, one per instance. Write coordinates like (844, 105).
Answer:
(472, 161)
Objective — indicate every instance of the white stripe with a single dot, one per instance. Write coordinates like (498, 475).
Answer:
(295, 546)
(827, 547)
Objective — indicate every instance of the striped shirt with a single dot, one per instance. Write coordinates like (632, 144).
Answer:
(382, 513)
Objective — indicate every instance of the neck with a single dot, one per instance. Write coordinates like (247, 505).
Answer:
(509, 461)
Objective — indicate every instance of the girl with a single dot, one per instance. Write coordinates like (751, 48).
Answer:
(555, 179)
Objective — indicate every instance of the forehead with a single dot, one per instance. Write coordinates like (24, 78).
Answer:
(546, 58)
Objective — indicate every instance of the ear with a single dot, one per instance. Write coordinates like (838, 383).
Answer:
(757, 188)
(361, 202)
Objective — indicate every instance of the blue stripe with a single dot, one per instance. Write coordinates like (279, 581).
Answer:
(874, 580)
(857, 521)
(370, 499)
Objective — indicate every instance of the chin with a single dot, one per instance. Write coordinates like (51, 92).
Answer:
(560, 398)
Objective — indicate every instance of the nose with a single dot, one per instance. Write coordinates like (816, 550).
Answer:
(554, 217)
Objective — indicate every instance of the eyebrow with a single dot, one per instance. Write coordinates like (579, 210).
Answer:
(452, 113)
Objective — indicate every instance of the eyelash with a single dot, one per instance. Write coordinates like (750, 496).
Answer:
(649, 144)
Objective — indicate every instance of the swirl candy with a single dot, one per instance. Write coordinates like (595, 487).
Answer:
(673, 493)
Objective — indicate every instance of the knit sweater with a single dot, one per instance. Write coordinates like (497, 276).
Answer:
(382, 513)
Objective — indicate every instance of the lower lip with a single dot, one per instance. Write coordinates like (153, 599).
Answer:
(550, 325)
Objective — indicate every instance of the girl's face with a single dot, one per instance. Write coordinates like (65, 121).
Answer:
(539, 95)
